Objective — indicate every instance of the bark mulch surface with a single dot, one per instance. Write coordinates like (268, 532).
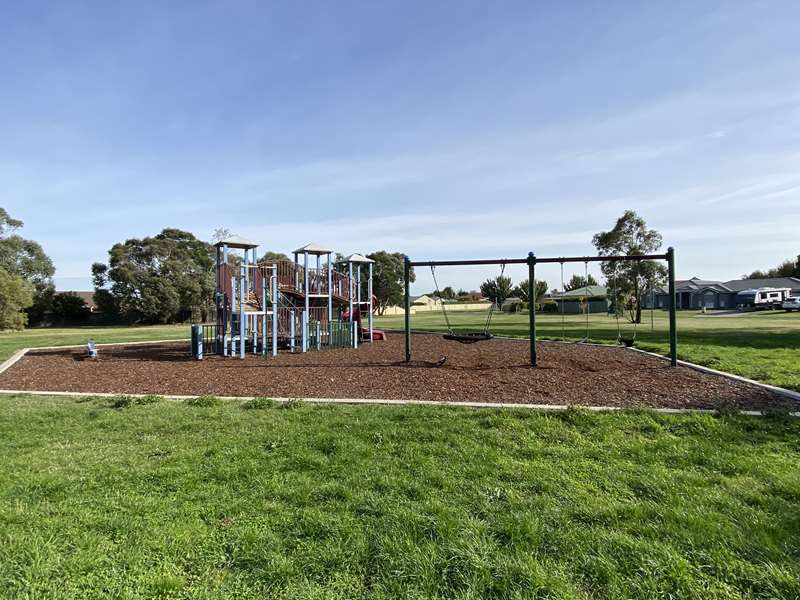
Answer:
(491, 371)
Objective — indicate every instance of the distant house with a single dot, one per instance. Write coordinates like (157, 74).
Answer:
(696, 293)
(591, 298)
(425, 302)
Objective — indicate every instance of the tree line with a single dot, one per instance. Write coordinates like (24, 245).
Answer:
(169, 277)
(788, 268)
(628, 281)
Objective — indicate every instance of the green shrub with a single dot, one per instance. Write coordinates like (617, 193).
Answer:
(259, 404)
(128, 401)
(550, 306)
(291, 403)
(149, 399)
(203, 401)
(122, 402)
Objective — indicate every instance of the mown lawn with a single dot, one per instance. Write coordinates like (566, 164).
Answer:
(764, 346)
(212, 500)
(11, 341)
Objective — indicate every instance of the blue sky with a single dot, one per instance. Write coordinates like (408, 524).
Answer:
(439, 129)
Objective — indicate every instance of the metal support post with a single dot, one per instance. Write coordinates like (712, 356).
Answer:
(532, 305)
(673, 325)
(407, 304)
(369, 291)
(242, 319)
(304, 325)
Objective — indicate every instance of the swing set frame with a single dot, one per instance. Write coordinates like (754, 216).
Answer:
(532, 260)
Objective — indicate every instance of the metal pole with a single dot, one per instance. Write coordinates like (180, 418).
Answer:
(369, 290)
(539, 260)
(407, 304)
(304, 325)
(230, 320)
(351, 287)
(242, 322)
(275, 312)
(304, 316)
(330, 290)
(246, 273)
(291, 330)
(532, 305)
(264, 307)
(673, 326)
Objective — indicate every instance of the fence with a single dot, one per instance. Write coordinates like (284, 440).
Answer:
(335, 334)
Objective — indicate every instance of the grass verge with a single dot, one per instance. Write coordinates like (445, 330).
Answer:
(209, 499)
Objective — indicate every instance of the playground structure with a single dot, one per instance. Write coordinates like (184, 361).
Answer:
(471, 337)
(309, 303)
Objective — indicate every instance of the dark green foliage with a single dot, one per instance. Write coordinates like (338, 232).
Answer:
(551, 306)
(259, 404)
(16, 295)
(446, 293)
(788, 268)
(578, 281)
(163, 279)
(128, 401)
(270, 257)
(69, 308)
(394, 502)
(203, 401)
(497, 289)
(629, 281)
(521, 290)
(26, 260)
(387, 279)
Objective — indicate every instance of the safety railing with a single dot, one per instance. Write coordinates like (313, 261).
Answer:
(333, 334)
(340, 285)
(290, 276)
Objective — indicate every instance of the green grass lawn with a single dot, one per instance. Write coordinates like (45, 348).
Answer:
(764, 346)
(212, 500)
(11, 341)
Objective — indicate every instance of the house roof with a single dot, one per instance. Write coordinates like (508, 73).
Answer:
(236, 241)
(738, 285)
(695, 283)
(313, 249)
(734, 285)
(358, 258)
(589, 291)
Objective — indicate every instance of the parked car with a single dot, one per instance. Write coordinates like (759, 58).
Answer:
(791, 304)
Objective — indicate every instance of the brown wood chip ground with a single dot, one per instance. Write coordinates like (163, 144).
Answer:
(492, 371)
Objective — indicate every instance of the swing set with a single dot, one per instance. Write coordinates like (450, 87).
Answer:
(471, 337)
(465, 337)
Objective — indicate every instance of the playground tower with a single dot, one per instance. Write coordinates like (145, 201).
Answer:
(309, 303)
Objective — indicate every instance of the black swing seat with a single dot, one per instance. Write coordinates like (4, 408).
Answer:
(468, 337)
